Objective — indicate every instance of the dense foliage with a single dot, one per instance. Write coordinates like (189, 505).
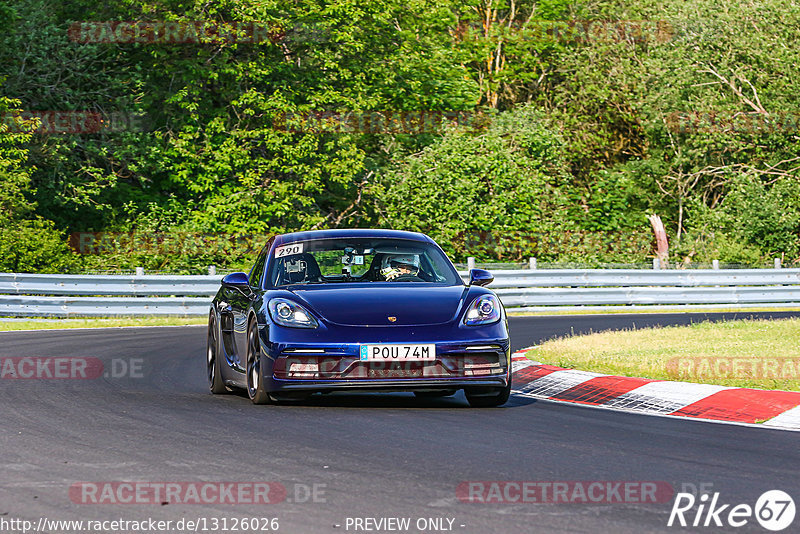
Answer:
(558, 130)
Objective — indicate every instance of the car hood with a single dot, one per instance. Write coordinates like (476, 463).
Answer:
(409, 304)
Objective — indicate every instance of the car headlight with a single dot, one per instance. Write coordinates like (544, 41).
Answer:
(483, 310)
(288, 313)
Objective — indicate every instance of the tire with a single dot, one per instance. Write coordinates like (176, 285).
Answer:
(215, 382)
(255, 380)
(435, 394)
(481, 400)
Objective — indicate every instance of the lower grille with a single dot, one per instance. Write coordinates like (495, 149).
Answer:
(453, 365)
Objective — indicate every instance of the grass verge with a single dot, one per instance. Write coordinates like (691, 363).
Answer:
(761, 354)
(59, 324)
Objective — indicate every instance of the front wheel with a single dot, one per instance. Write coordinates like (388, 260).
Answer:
(215, 382)
(485, 399)
(255, 382)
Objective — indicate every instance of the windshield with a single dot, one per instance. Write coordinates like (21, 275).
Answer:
(360, 260)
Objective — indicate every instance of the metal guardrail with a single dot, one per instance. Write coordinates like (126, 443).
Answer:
(38, 306)
(523, 289)
(97, 284)
(637, 277)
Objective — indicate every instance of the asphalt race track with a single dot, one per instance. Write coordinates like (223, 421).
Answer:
(149, 418)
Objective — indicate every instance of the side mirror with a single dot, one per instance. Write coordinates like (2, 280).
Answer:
(480, 277)
(238, 280)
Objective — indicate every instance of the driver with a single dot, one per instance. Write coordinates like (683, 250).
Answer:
(394, 265)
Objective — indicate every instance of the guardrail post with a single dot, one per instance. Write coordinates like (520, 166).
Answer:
(532, 263)
(656, 264)
(777, 263)
(715, 264)
(212, 270)
(140, 271)
(470, 263)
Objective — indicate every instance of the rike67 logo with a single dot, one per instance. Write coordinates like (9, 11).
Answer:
(774, 510)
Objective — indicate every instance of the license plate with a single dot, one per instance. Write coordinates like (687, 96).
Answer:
(398, 353)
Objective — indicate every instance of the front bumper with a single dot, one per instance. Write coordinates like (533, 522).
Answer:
(328, 358)
(328, 367)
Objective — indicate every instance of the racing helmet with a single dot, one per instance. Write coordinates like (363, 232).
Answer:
(392, 263)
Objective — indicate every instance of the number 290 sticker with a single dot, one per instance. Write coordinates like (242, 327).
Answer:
(289, 250)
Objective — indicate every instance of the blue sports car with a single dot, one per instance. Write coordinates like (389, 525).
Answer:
(374, 310)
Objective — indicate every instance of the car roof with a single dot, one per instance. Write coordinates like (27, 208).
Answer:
(347, 233)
